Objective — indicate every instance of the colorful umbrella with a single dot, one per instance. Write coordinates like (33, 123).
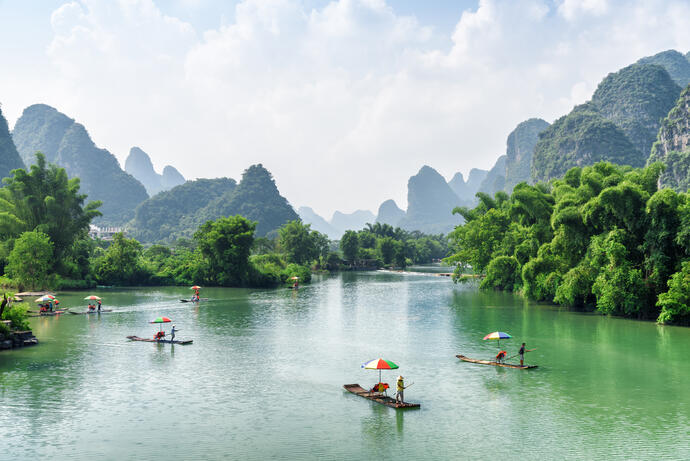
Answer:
(379, 364)
(499, 335)
(294, 278)
(93, 298)
(161, 320)
(196, 287)
(45, 298)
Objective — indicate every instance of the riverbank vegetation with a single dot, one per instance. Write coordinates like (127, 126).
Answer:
(603, 237)
(382, 245)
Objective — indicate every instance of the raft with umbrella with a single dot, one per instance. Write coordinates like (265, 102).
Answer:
(160, 321)
(494, 363)
(92, 311)
(196, 289)
(379, 364)
(497, 335)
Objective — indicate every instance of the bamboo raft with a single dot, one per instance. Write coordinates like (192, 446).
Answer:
(167, 341)
(47, 314)
(496, 364)
(377, 397)
(195, 301)
(90, 312)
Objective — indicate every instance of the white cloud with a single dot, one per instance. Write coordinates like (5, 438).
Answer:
(342, 103)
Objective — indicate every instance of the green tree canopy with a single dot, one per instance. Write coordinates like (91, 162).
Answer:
(225, 245)
(30, 260)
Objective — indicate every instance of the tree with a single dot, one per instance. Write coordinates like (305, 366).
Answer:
(30, 260)
(122, 263)
(225, 245)
(675, 303)
(299, 242)
(349, 244)
(387, 247)
(44, 199)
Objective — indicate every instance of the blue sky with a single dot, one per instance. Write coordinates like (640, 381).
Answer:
(342, 100)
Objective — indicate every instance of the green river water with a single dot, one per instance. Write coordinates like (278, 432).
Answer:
(264, 377)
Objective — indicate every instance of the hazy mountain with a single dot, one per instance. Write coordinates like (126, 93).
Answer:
(174, 213)
(9, 157)
(352, 221)
(677, 65)
(496, 178)
(66, 143)
(430, 203)
(581, 138)
(318, 223)
(389, 213)
(673, 145)
(636, 99)
(256, 197)
(466, 190)
(171, 178)
(139, 165)
(519, 149)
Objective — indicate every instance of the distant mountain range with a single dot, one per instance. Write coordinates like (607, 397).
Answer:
(637, 115)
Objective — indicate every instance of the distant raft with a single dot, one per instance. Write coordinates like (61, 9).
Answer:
(378, 397)
(90, 312)
(496, 364)
(150, 340)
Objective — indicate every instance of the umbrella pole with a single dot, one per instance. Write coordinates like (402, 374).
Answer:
(379, 375)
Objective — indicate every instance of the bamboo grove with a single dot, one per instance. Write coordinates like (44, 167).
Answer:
(602, 237)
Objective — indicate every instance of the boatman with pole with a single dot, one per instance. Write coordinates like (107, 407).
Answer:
(172, 334)
(521, 353)
(399, 396)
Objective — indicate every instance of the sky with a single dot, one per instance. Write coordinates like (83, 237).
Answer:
(341, 100)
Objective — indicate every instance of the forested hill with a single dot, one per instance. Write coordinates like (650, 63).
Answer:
(673, 145)
(636, 98)
(9, 157)
(677, 65)
(618, 125)
(581, 138)
(257, 198)
(172, 214)
(139, 165)
(67, 144)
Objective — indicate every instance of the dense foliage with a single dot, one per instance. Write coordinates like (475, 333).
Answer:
(602, 236)
(257, 198)
(45, 200)
(677, 65)
(173, 214)
(636, 98)
(673, 145)
(581, 138)
(383, 245)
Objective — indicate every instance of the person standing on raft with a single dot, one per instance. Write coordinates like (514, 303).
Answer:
(172, 333)
(400, 387)
(521, 352)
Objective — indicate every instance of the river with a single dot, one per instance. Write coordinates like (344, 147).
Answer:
(264, 377)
